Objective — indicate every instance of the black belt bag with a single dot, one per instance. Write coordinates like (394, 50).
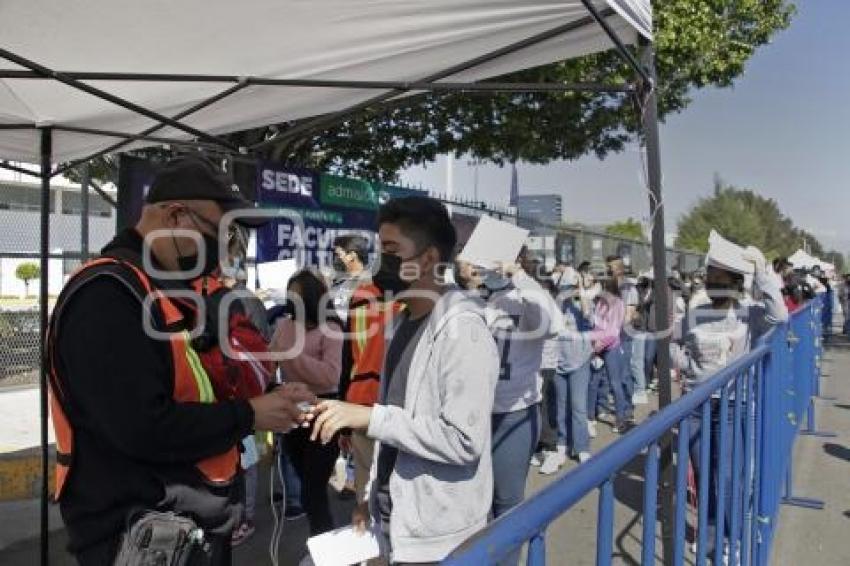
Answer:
(156, 538)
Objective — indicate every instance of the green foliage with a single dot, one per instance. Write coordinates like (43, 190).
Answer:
(745, 218)
(26, 272)
(698, 44)
(628, 228)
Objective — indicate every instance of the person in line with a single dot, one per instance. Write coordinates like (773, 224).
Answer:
(133, 405)
(572, 380)
(844, 300)
(718, 334)
(522, 316)
(431, 484)
(589, 288)
(372, 308)
(616, 268)
(351, 256)
(317, 365)
(608, 317)
(551, 454)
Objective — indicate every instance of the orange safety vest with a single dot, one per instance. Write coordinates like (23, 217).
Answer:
(191, 382)
(368, 315)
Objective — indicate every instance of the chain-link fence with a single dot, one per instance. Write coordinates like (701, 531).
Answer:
(562, 243)
(72, 235)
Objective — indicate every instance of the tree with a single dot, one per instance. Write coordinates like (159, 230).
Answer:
(745, 218)
(698, 44)
(628, 228)
(26, 272)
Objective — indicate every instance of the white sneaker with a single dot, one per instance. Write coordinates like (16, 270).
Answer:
(640, 398)
(583, 457)
(537, 459)
(591, 429)
(552, 462)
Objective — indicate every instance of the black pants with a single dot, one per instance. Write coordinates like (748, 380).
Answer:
(548, 433)
(314, 463)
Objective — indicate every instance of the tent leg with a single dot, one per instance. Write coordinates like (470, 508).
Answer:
(46, 155)
(84, 214)
(660, 292)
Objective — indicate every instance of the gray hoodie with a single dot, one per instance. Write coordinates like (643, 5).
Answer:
(442, 483)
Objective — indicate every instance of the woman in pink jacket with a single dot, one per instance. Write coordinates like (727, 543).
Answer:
(608, 319)
(312, 347)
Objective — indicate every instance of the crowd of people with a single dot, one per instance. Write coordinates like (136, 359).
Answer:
(439, 383)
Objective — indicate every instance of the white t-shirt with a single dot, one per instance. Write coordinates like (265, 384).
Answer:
(522, 318)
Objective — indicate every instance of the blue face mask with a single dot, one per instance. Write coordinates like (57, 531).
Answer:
(494, 280)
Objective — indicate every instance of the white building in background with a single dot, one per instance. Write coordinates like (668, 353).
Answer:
(20, 231)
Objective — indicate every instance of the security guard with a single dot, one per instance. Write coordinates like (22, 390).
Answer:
(137, 423)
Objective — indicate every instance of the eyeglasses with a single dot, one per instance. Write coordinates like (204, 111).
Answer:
(232, 231)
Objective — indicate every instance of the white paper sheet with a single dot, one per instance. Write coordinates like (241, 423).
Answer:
(493, 243)
(276, 274)
(343, 546)
(727, 255)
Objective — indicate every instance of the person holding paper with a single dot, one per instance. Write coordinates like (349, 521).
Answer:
(522, 316)
(719, 333)
(432, 481)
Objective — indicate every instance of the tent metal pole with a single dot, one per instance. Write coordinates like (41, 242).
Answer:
(179, 116)
(21, 126)
(46, 155)
(118, 101)
(128, 136)
(621, 47)
(335, 117)
(484, 86)
(84, 213)
(660, 296)
(5, 165)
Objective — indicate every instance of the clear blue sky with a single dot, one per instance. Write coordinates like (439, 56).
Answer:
(782, 131)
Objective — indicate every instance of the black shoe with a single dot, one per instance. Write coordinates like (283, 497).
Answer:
(293, 513)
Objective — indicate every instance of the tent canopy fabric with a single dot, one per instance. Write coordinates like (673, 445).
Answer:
(803, 260)
(352, 40)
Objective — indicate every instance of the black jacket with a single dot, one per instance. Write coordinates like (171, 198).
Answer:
(134, 446)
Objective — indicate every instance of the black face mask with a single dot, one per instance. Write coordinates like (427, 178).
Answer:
(211, 257)
(388, 277)
(339, 265)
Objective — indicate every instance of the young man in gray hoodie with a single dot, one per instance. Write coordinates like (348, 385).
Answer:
(431, 483)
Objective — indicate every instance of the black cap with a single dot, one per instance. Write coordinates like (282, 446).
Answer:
(198, 178)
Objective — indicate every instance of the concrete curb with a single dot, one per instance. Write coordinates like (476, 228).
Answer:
(20, 474)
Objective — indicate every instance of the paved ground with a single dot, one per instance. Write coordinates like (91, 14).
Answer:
(806, 537)
(822, 471)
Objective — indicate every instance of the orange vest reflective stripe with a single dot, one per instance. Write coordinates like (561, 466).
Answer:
(368, 318)
(191, 383)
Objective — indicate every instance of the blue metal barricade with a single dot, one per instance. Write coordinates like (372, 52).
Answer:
(736, 431)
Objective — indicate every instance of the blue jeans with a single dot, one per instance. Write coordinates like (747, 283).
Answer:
(627, 380)
(616, 372)
(714, 459)
(650, 350)
(571, 392)
(515, 437)
(638, 361)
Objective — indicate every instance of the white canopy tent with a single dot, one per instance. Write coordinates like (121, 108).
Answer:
(803, 260)
(342, 43)
(78, 80)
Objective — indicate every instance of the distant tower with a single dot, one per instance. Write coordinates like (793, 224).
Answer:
(514, 201)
